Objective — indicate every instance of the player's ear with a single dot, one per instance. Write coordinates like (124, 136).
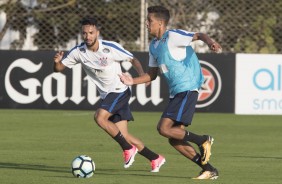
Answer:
(161, 22)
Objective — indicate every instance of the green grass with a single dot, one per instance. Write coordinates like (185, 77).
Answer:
(37, 146)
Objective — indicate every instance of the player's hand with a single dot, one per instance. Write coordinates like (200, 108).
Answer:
(126, 79)
(58, 57)
(215, 47)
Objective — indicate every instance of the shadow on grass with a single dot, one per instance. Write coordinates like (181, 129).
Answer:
(106, 172)
(34, 167)
(260, 157)
(143, 173)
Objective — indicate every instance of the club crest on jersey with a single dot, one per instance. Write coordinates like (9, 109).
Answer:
(106, 50)
(103, 61)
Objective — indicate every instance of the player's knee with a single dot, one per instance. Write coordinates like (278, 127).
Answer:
(162, 131)
(96, 118)
(99, 120)
(159, 129)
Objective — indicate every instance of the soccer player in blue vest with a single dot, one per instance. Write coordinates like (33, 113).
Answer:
(101, 60)
(170, 53)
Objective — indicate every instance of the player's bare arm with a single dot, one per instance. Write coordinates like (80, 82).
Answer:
(58, 65)
(137, 66)
(147, 77)
(213, 45)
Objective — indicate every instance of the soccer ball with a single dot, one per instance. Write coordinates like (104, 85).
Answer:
(83, 166)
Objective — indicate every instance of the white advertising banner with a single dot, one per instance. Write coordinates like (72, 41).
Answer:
(258, 84)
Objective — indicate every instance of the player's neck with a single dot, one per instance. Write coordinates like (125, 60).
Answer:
(94, 47)
(161, 32)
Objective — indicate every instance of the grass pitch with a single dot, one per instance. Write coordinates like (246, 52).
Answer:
(37, 146)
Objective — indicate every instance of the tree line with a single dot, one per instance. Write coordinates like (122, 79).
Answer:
(253, 26)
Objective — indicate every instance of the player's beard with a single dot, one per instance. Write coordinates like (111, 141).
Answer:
(89, 45)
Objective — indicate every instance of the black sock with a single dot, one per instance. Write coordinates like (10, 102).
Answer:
(197, 160)
(122, 142)
(191, 137)
(148, 154)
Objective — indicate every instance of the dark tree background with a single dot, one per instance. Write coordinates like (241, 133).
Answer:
(253, 26)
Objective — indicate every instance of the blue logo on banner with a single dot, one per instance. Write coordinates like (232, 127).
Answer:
(273, 84)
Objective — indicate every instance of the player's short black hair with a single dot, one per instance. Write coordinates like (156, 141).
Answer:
(89, 21)
(160, 12)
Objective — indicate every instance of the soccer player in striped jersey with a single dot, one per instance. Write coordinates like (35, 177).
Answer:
(101, 60)
(170, 52)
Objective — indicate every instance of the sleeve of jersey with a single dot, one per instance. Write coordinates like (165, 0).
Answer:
(180, 38)
(70, 60)
(119, 52)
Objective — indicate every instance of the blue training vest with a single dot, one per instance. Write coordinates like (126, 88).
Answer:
(182, 75)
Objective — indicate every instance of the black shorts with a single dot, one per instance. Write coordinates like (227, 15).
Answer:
(181, 107)
(117, 104)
